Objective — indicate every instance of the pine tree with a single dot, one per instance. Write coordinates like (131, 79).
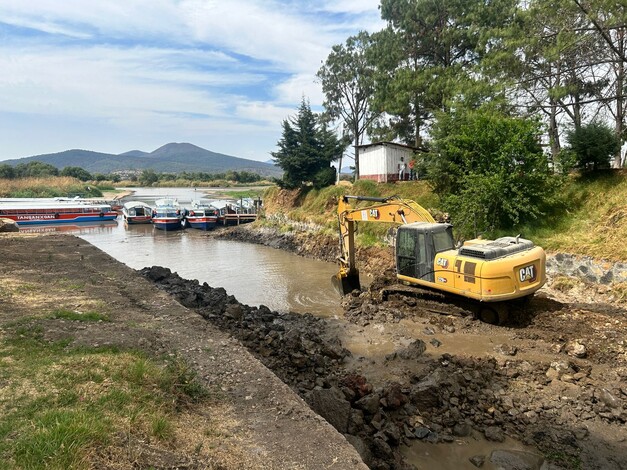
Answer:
(306, 150)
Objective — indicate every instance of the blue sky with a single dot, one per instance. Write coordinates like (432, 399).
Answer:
(119, 75)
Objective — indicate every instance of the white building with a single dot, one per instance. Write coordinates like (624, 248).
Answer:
(382, 161)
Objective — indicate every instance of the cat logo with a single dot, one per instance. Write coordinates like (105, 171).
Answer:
(374, 213)
(527, 273)
(442, 262)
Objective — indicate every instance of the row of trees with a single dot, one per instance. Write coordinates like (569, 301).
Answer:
(561, 61)
(35, 169)
(490, 92)
(149, 177)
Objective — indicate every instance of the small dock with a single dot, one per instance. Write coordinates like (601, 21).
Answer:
(236, 219)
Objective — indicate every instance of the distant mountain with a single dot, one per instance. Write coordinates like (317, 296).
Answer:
(171, 158)
(133, 153)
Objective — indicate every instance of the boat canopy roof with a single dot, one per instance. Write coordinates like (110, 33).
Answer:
(167, 202)
(134, 204)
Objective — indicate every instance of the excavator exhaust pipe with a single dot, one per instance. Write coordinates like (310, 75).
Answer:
(344, 285)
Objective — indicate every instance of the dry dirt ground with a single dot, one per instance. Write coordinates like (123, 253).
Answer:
(259, 422)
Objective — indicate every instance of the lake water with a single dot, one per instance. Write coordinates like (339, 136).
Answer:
(254, 274)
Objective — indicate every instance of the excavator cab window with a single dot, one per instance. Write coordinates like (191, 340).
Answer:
(416, 247)
(406, 252)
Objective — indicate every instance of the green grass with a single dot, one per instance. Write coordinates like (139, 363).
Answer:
(590, 217)
(58, 403)
(77, 316)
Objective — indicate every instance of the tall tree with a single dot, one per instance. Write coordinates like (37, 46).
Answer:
(306, 150)
(551, 59)
(347, 79)
(608, 19)
(430, 52)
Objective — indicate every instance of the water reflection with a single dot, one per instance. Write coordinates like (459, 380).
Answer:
(254, 274)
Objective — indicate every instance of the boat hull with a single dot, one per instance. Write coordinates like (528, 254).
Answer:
(133, 220)
(40, 219)
(167, 224)
(202, 223)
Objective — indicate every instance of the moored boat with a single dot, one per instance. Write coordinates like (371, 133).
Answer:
(137, 212)
(46, 211)
(202, 216)
(167, 215)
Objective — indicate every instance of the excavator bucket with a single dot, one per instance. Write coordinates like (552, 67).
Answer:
(345, 284)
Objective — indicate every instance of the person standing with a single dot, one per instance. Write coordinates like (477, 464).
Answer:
(412, 173)
(401, 171)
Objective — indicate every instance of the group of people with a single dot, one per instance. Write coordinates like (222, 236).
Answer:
(403, 174)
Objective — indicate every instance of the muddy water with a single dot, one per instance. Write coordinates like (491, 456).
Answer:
(255, 275)
(258, 275)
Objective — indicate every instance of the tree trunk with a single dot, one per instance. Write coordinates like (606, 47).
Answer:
(620, 101)
(356, 155)
(554, 136)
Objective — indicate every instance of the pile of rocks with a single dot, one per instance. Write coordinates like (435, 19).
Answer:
(450, 399)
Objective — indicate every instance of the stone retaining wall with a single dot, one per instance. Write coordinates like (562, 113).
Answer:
(586, 268)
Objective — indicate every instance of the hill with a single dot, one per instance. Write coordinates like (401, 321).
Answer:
(170, 158)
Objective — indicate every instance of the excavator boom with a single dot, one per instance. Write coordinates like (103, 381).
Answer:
(391, 209)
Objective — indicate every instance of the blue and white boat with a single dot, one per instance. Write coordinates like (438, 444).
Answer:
(202, 216)
(167, 214)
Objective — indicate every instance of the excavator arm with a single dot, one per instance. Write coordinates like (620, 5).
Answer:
(389, 210)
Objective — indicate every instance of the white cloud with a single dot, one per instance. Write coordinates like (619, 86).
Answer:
(215, 73)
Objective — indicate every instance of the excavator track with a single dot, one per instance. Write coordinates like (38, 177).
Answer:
(496, 313)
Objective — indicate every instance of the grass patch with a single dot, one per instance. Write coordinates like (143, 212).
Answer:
(565, 283)
(52, 186)
(78, 316)
(57, 403)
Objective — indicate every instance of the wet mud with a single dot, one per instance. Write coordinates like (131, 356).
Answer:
(395, 376)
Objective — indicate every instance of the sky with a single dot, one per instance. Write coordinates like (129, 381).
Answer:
(119, 75)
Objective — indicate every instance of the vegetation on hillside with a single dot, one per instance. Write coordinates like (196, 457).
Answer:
(589, 217)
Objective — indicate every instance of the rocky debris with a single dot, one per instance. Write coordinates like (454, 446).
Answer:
(576, 349)
(477, 460)
(8, 225)
(586, 268)
(415, 349)
(506, 349)
(545, 405)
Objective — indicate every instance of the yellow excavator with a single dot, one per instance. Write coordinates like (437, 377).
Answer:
(491, 273)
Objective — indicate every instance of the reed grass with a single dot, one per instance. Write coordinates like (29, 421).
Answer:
(53, 186)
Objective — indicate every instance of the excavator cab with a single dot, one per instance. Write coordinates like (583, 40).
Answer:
(417, 245)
